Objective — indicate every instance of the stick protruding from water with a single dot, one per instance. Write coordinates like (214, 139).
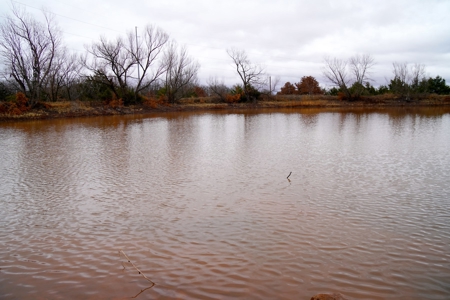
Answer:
(137, 269)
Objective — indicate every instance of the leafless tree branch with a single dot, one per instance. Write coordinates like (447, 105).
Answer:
(181, 71)
(250, 74)
(30, 50)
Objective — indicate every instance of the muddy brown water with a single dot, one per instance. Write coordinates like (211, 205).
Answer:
(201, 204)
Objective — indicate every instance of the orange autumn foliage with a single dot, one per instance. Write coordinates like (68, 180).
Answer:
(308, 85)
(232, 98)
(16, 107)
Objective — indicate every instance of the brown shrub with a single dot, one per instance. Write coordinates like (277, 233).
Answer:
(115, 103)
(14, 110)
(16, 107)
(341, 96)
(150, 101)
(21, 99)
(42, 105)
(21, 102)
(153, 101)
(199, 91)
(232, 98)
(3, 108)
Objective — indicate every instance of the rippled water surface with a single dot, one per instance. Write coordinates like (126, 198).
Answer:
(201, 204)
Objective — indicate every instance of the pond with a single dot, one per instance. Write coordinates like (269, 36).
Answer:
(201, 205)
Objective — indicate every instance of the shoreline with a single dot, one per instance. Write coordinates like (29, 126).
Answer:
(74, 109)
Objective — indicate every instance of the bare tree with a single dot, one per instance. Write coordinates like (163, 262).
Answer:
(250, 74)
(128, 66)
(181, 71)
(407, 79)
(112, 65)
(218, 88)
(146, 53)
(360, 66)
(65, 72)
(417, 75)
(69, 75)
(350, 76)
(336, 72)
(29, 50)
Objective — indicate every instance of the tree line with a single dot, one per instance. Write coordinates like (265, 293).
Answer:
(38, 64)
(351, 80)
(127, 70)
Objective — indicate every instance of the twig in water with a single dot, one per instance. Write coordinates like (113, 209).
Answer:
(142, 291)
(140, 272)
(289, 175)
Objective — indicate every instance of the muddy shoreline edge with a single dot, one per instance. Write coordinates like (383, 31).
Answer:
(74, 109)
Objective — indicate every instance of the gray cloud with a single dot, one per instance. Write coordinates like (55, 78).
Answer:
(290, 38)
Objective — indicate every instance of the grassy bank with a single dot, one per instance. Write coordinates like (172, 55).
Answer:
(68, 109)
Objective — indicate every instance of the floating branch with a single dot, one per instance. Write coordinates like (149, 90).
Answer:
(139, 271)
(289, 175)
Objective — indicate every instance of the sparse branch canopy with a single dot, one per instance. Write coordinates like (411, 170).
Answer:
(337, 73)
(360, 66)
(352, 73)
(181, 71)
(407, 79)
(146, 54)
(250, 74)
(112, 64)
(29, 49)
(218, 88)
(127, 66)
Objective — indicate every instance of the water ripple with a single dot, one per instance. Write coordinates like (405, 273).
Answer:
(201, 203)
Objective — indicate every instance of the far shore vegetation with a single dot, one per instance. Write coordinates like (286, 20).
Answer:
(40, 78)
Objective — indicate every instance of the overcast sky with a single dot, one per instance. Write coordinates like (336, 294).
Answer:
(289, 38)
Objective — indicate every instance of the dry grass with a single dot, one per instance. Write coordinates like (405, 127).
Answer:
(192, 100)
(304, 97)
(64, 106)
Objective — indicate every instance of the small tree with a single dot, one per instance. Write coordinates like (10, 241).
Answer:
(146, 53)
(382, 89)
(345, 74)
(437, 86)
(332, 91)
(337, 73)
(218, 88)
(360, 66)
(29, 49)
(65, 72)
(308, 85)
(287, 89)
(407, 79)
(250, 74)
(125, 66)
(112, 66)
(181, 72)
